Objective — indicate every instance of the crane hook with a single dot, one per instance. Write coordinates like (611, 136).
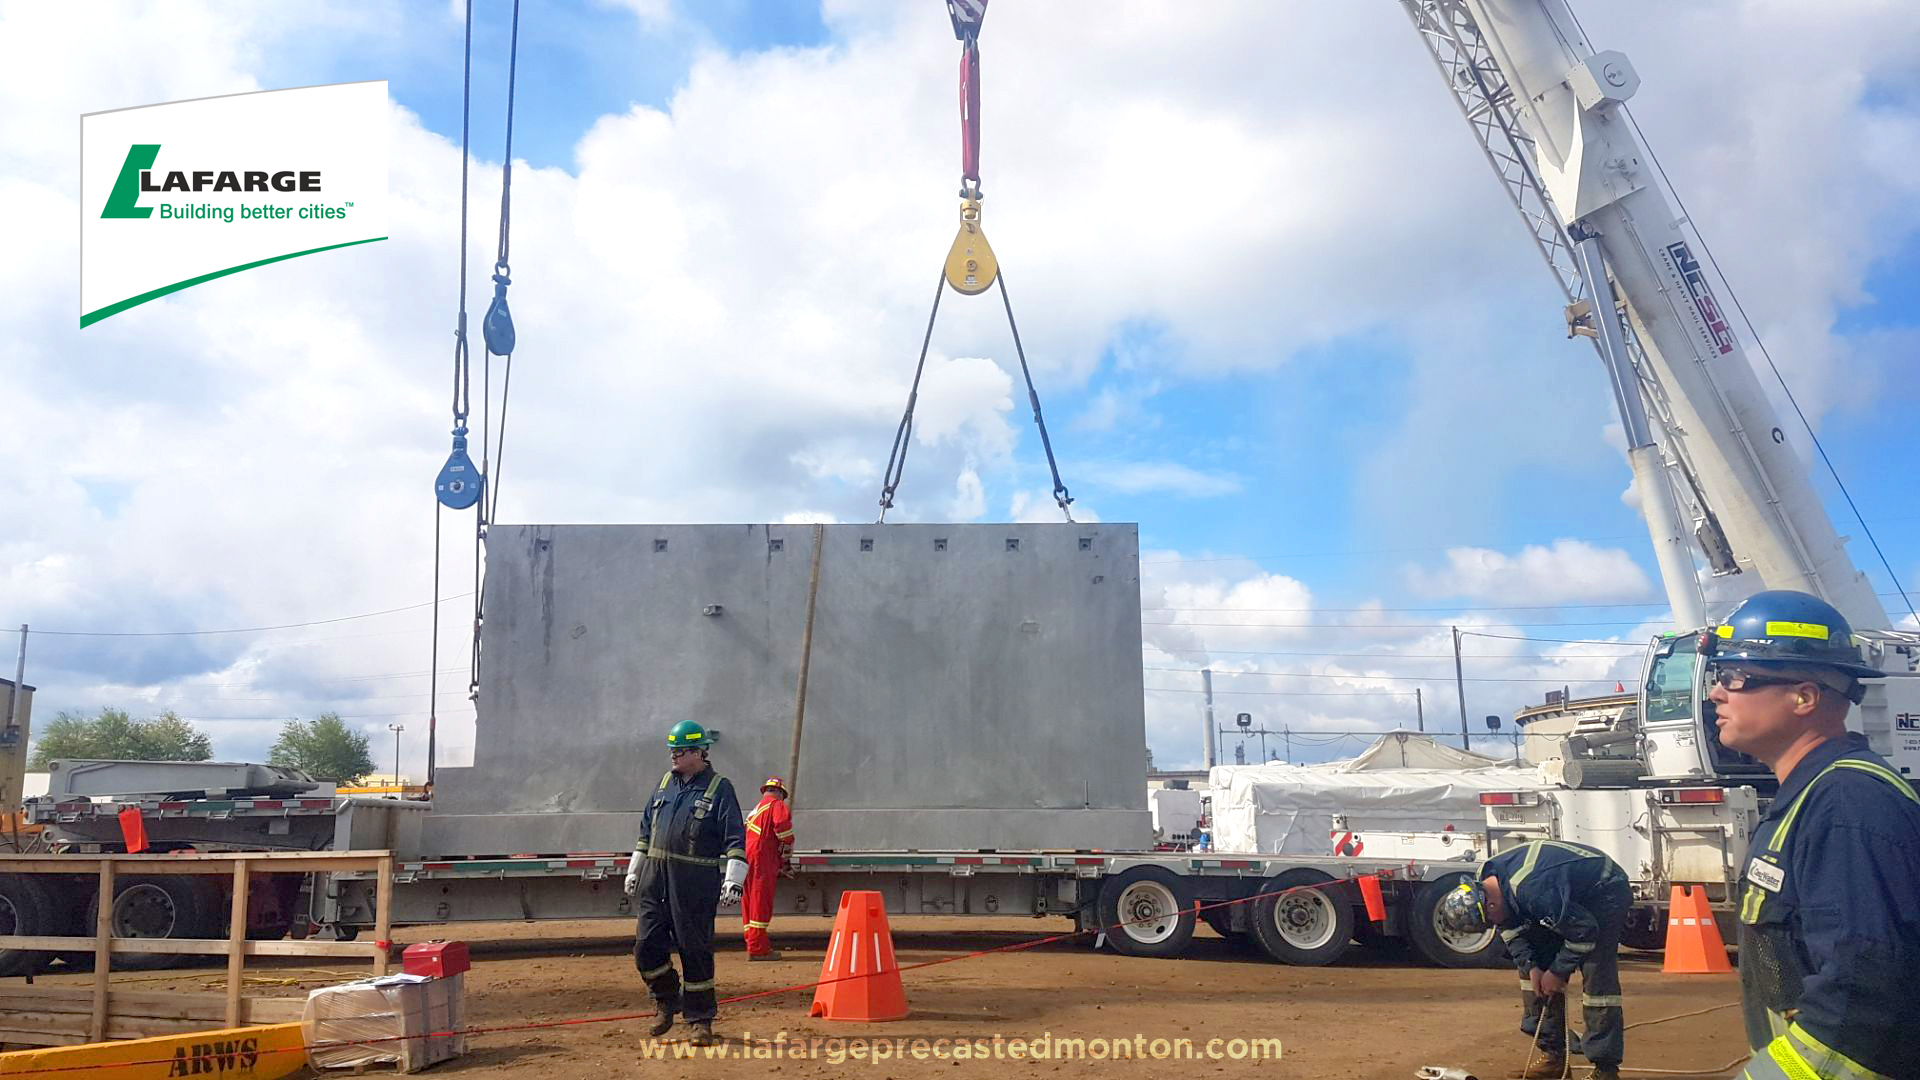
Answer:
(459, 484)
(497, 327)
(971, 266)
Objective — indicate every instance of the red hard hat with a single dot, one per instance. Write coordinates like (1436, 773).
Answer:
(774, 781)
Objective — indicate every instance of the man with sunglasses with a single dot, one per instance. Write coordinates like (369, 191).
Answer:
(690, 829)
(1829, 904)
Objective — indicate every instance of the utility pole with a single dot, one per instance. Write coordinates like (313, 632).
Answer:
(1460, 688)
(1419, 710)
(1206, 679)
(1287, 731)
(19, 680)
(396, 729)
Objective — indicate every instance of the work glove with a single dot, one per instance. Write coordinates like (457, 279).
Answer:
(735, 884)
(632, 884)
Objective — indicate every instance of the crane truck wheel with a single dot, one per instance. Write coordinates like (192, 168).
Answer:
(1445, 947)
(25, 908)
(169, 906)
(1146, 912)
(1646, 929)
(1305, 926)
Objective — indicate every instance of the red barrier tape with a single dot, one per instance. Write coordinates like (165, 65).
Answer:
(1017, 946)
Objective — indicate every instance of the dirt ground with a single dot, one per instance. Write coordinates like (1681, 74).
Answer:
(1375, 1014)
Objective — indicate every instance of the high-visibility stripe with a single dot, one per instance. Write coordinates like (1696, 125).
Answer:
(1579, 946)
(1798, 629)
(696, 987)
(1830, 1059)
(1601, 1001)
(1526, 867)
(734, 853)
(752, 828)
(655, 973)
(1526, 984)
(1754, 899)
(784, 837)
(758, 925)
(1510, 935)
(697, 860)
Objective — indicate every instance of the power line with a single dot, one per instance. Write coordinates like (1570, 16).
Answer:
(1282, 693)
(240, 629)
(1381, 626)
(1394, 656)
(1389, 551)
(1358, 678)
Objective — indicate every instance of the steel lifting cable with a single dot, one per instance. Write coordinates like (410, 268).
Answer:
(498, 333)
(458, 486)
(971, 266)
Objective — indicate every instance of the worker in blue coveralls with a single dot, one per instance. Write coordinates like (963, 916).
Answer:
(1830, 900)
(1560, 907)
(690, 830)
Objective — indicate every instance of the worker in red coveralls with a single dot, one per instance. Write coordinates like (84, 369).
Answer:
(769, 848)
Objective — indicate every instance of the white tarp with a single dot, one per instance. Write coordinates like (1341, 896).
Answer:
(1289, 809)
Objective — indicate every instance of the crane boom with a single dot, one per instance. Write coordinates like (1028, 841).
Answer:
(1548, 109)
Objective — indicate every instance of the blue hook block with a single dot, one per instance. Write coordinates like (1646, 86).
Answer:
(459, 484)
(497, 327)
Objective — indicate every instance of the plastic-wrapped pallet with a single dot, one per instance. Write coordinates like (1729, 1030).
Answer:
(407, 1014)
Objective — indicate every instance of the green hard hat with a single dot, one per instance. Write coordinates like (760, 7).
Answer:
(688, 733)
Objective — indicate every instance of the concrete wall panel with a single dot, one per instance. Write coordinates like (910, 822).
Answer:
(973, 686)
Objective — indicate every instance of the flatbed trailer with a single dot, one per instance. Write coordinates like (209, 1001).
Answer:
(1294, 909)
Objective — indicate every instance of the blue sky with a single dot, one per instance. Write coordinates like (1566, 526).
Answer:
(1322, 359)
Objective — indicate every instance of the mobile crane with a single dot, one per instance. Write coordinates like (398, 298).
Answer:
(1715, 469)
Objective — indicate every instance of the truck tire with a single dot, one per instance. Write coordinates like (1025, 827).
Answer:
(1146, 912)
(1445, 947)
(168, 906)
(25, 908)
(1309, 927)
(1646, 929)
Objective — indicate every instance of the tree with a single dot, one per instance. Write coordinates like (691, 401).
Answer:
(326, 749)
(115, 736)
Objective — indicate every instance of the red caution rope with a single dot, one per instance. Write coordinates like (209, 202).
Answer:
(1017, 946)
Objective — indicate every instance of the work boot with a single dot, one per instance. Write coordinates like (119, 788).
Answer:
(703, 1033)
(662, 1022)
(1544, 1068)
(1604, 1072)
(763, 956)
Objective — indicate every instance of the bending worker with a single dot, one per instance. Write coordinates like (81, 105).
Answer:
(1830, 901)
(1559, 906)
(769, 848)
(690, 828)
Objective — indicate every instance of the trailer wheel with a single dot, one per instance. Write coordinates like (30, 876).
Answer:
(1304, 926)
(1147, 912)
(1646, 929)
(1445, 947)
(170, 906)
(24, 909)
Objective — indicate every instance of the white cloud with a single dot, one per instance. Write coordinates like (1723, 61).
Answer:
(1567, 572)
(720, 305)
(1138, 477)
(1338, 675)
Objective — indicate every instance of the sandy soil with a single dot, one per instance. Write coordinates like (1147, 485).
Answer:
(1376, 1014)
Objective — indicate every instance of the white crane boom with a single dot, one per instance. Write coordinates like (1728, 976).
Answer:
(1548, 110)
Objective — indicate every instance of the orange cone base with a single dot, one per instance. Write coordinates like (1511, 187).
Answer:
(1694, 946)
(860, 980)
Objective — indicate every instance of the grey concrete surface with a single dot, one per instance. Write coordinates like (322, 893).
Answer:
(973, 686)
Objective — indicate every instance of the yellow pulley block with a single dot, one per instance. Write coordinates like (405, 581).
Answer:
(971, 266)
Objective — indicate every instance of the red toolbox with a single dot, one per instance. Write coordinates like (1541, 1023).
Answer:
(439, 959)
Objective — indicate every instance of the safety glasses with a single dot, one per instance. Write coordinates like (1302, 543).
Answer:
(685, 750)
(1733, 680)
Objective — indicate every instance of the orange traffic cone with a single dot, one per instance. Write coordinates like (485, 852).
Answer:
(1693, 938)
(861, 978)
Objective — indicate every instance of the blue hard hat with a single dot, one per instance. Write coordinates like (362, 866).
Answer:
(1783, 628)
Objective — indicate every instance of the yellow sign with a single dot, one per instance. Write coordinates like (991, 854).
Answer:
(260, 1052)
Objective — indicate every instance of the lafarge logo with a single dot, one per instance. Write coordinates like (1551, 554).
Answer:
(181, 194)
(137, 177)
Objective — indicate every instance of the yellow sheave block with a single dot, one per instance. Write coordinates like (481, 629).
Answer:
(259, 1052)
